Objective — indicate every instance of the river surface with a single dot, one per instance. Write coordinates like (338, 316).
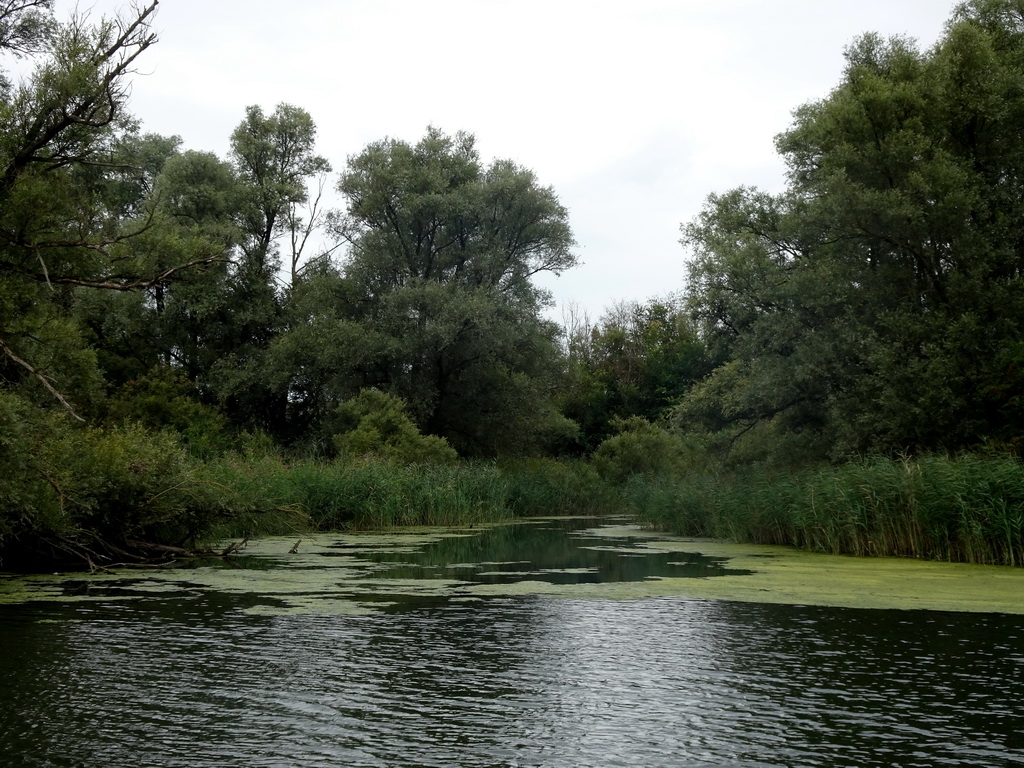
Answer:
(112, 676)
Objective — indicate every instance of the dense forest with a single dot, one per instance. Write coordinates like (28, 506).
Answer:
(192, 347)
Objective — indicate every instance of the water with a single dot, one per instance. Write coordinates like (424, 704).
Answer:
(190, 679)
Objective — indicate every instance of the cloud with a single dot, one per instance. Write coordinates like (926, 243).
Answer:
(634, 112)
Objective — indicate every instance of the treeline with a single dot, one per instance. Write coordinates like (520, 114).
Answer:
(871, 313)
(192, 346)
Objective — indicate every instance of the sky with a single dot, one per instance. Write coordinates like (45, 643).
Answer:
(633, 112)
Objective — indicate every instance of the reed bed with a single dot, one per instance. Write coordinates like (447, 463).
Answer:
(960, 508)
(267, 495)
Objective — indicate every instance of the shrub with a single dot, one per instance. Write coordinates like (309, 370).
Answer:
(165, 399)
(26, 499)
(125, 482)
(639, 448)
(375, 425)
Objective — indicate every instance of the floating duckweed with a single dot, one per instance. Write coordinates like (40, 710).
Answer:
(340, 573)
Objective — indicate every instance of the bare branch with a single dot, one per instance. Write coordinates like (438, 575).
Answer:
(96, 107)
(42, 379)
(128, 283)
(299, 230)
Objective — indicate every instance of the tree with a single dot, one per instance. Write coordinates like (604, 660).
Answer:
(275, 155)
(25, 26)
(439, 277)
(636, 361)
(58, 229)
(78, 220)
(871, 305)
(375, 425)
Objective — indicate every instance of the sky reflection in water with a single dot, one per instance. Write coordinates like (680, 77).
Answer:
(191, 678)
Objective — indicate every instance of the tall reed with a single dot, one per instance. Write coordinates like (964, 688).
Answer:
(966, 508)
(260, 495)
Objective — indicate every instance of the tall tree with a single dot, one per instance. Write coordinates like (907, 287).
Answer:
(59, 226)
(876, 304)
(442, 254)
(275, 156)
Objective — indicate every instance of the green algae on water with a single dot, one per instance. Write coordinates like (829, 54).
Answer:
(359, 573)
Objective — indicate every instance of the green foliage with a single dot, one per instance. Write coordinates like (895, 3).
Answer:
(541, 486)
(26, 499)
(875, 306)
(871, 306)
(164, 398)
(251, 494)
(26, 27)
(968, 508)
(124, 482)
(439, 279)
(638, 360)
(375, 424)
(256, 494)
(216, 320)
(85, 492)
(1003, 397)
(261, 495)
(77, 213)
(274, 155)
(640, 449)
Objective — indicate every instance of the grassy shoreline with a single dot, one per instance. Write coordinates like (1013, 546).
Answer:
(268, 495)
(967, 508)
(131, 493)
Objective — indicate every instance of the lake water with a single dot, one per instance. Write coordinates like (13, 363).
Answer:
(116, 675)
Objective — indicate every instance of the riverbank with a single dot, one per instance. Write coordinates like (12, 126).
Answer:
(268, 495)
(132, 496)
(967, 508)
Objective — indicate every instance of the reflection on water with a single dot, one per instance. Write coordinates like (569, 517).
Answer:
(558, 551)
(173, 680)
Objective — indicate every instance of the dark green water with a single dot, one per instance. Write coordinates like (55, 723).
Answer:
(190, 679)
(554, 551)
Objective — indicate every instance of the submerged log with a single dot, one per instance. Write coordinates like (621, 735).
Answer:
(235, 547)
(96, 553)
(148, 546)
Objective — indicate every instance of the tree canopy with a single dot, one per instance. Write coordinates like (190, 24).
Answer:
(434, 302)
(169, 304)
(877, 304)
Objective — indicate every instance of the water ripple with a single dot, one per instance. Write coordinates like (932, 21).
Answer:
(524, 682)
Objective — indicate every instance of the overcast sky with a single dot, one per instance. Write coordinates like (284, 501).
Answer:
(632, 111)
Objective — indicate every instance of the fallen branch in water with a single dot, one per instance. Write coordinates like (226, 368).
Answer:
(165, 549)
(235, 547)
(96, 553)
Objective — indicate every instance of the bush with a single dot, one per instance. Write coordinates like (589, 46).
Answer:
(375, 425)
(165, 399)
(639, 448)
(26, 499)
(126, 482)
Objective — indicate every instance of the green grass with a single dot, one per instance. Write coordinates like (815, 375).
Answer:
(965, 508)
(127, 484)
(267, 495)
